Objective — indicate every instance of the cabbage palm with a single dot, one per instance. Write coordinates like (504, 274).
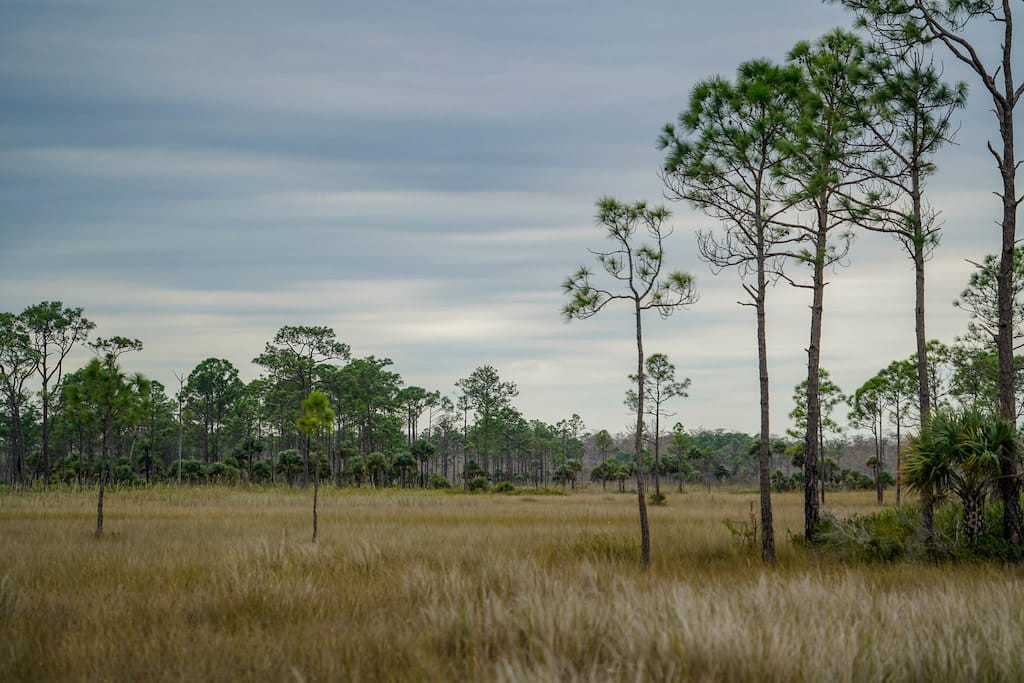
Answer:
(958, 452)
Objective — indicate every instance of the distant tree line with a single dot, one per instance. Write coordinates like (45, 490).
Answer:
(102, 423)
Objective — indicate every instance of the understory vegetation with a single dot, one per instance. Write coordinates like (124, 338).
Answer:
(898, 534)
(218, 583)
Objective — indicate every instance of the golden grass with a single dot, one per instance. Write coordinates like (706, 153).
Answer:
(223, 584)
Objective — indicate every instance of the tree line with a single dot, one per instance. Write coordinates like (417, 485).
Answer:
(213, 427)
(101, 422)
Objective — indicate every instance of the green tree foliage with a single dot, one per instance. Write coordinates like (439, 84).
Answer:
(870, 405)
(885, 399)
(422, 451)
(210, 392)
(260, 472)
(366, 392)
(17, 363)
(294, 362)
(960, 453)
(980, 300)
(244, 426)
(489, 397)
(603, 443)
(315, 422)
(404, 465)
(830, 397)
(660, 386)
(289, 465)
(108, 396)
(975, 356)
(414, 401)
(53, 329)
(377, 467)
(568, 472)
(356, 469)
(635, 269)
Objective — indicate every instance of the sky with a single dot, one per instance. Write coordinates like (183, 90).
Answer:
(421, 177)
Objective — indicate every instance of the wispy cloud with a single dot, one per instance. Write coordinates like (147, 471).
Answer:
(421, 177)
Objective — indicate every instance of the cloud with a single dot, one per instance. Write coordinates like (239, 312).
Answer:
(421, 177)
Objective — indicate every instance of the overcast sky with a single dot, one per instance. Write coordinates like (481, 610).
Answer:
(420, 176)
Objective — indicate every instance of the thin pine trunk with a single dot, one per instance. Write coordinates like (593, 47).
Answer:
(1009, 484)
(645, 531)
(763, 451)
(812, 511)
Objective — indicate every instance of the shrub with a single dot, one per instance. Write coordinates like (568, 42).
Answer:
(504, 487)
(123, 473)
(472, 470)
(878, 537)
(898, 533)
(191, 471)
(289, 465)
(436, 481)
(69, 469)
(261, 471)
(223, 473)
(479, 484)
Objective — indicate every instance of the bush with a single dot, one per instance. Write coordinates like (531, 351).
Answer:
(289, 465)
(436, 481)
(260, 473)
(897, 534)
(472, 470)
(479, 484)
(69, 469)
(878, 537)
(192, 471)
(223, 473)
(123, 473)
(504, 487)
(951, 537)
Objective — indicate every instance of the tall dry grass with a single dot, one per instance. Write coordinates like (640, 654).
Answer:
(223, 584)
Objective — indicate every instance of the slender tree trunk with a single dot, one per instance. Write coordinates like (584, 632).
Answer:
(46, 426)
(645, 531)
(316, 494)
(899, 455)
(763, 450)
(657, 454)
(1009, 485)
(103, 474)
(822, 475)
(180, 441)
(879, 455)
(923, 394)
(305, 460)
(812, 510)
(17, 450)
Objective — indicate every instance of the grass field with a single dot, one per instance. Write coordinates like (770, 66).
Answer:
(224, 584)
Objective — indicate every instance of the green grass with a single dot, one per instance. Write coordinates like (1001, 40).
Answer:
(224, 584)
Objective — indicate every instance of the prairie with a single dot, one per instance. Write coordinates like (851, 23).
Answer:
(213, 583)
